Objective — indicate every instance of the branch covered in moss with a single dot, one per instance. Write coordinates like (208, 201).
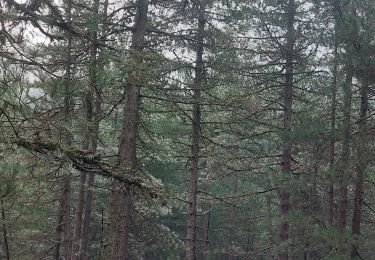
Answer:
(91, 163)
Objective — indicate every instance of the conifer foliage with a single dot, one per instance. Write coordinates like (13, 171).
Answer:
(187, 129)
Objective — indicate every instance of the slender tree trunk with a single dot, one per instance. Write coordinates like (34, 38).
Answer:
(195, 138)
(59, 228)
(120, 206)
(270, 224)
(81, 191)
(333, 129)
(347, 103)
(343, 178)
(64, 224)
(78, 215)
(233, 220)
(362, 163)
(87, 219)
(86, 236)
(91, 139)
(203, 220)
(345, 156)
(345, 153)
(5, 231)
(67, 222)
(286, 161)
(314, 196)
(68, 141)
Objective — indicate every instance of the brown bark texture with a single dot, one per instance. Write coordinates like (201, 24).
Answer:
(331, 151)
(5, 231)
(118, 230)
(203, 231)
(286, 160)
(64, 224)
(81, 228)
(362, 163)
(195, 139)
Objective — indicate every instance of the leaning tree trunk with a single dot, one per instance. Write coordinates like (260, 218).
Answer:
(286, 160)
(121, 202)
(195, 138)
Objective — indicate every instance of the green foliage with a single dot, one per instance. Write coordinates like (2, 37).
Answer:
(242, 133)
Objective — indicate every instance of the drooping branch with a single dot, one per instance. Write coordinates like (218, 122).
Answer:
(92, 163)
(29, 14)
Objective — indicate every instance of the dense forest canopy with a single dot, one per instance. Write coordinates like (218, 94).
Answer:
(187, 129)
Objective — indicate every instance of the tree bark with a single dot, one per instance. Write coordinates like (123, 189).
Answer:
(343, 178)
(286, 160)
(343, 175)
(345, 153)
(333, 121)
(98, 66)
(67, 222)
(195, 138)
(233, 220)
(362, 164)
(80, 246)
(270, 224)
(64, 224)
(78, 215)
(203, 219)
(5, 231)
(59, 228)
(121, 202)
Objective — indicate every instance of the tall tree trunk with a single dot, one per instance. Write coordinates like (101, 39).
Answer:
(270, 224)
(5, 231)
(286, 160)
(86, 235)
(67, 222)
(333, 122)
(203, 219)
(195, 138)
(59, 228)
(82, 179)
(345, 153)
(68, 141)
(362, 163)
(64, 224)
(78, 215)
(314, 193)
(343, 178)
(233, 220)
(121, 202)
(81, 194)
(91, 139)
(345, 156)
